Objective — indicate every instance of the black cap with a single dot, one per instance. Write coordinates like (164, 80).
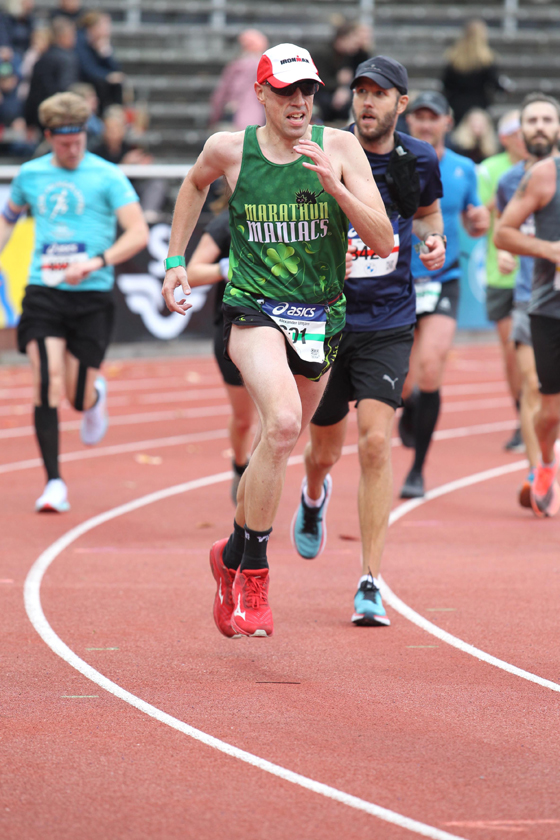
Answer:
(386, 72)
(432, 100)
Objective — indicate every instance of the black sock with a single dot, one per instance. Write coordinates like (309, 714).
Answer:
(233, 551)
(239, 470)
(426, 419)
(256, 543)
(46, 429)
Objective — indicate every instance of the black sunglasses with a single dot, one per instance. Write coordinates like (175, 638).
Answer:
(307, 88)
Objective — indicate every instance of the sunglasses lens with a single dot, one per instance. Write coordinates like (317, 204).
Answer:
(307, 89)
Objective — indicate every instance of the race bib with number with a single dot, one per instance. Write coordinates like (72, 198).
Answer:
(303, 324)
(366, 262)
(427, 295)
(56, 258)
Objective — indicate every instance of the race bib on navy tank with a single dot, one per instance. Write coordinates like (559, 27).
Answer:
(366, 263)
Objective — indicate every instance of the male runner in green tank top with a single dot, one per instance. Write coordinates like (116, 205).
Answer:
(294, 189)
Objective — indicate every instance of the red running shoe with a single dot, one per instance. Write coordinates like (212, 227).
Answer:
(252, 615)
(223, 602)
(545, 492)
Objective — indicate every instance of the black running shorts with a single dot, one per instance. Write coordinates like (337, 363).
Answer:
(499, 303)
(369, 365)
(83, 319)
(230, 374)
(545, 333)
(244, 316)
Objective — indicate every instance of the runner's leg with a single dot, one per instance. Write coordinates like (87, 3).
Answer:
(80, 383)
(47, 367)
(530, 401)
(375, 490)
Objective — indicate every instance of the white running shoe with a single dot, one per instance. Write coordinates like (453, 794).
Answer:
(95, 419)
(54, 498)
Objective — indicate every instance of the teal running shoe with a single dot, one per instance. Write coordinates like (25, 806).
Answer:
(309, 527)
(368, 606)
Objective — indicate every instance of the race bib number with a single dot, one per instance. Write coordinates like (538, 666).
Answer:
(303, 325)
(366, 262)
(56, 258)
(427, 295)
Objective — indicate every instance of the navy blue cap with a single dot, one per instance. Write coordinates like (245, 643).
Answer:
(384, 71)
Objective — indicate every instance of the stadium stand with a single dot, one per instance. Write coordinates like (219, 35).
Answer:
(174, 50)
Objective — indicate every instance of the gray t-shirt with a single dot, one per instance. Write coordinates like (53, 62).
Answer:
(545, 295)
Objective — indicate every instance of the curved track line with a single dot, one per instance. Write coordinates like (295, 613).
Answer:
(406, 611)
(32, 597)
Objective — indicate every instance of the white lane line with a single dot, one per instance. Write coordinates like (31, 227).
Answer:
(131, 419)
(119, 449)
(32, 597)
(399, 606)
(178, 440)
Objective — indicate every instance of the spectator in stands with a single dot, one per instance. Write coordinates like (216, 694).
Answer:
(352, 44)
(470, 77)
(115, 147)
(11, 106)
(57, 69)
(475, 136)
(40, 42)
(71, 9)
(20, 22)
(234, 99)
(94, 126)
(98, 65)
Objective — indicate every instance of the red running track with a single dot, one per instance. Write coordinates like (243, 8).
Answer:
(337, 722)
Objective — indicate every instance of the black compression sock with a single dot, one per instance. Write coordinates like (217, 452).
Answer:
(233, 551)
(239, 469)
(46, 429)
(426, 419)
(254, 555)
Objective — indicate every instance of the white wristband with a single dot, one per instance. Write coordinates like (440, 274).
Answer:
(224, 267)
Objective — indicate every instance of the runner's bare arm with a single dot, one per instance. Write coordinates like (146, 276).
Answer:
(221, 156)
(534, 192)
(203, 266)
(344, 172)
(133, 238)
(428, 220)
(7, 227)
(476, 220)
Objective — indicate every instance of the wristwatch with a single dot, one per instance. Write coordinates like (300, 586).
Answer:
(442, 236)
(173, 262)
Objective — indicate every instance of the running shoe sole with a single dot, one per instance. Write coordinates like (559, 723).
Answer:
(322, 544)
(362, 620)
(525, 495)
(549, 505)
(47, 508)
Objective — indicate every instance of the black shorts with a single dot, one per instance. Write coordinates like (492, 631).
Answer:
(230, 374)
(545, 333)
(83, 319)
(244, 316)
(446, 303)
(369, 365)
(499, 303)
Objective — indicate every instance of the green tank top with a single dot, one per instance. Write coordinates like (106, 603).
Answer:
(288, 236)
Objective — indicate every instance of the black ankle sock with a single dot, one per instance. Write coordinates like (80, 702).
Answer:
(239, 470)
(233, 551)
(426, 419)
(254, 555)
(46, 429)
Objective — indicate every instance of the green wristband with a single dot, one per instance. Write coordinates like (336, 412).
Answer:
(173, 262)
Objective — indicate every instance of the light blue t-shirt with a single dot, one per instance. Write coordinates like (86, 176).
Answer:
(507, 186)
(458, 176)
(74, 212)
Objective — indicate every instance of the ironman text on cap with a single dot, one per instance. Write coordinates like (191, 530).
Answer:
(285, 64)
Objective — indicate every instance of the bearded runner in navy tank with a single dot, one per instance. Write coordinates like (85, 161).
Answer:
(294, 188)
(372, 361)
(539, 194)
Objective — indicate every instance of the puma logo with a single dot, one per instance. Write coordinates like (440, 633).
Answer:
(392, 381)
(237, 610)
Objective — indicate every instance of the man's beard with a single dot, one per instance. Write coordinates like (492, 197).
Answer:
(380, 129)
(541, 147)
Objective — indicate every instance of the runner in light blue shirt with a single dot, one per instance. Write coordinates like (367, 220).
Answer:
(437, 293)
(76, 200)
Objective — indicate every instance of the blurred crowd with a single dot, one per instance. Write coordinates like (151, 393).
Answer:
(70, 49)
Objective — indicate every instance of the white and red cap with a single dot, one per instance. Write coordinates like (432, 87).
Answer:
(285, 64)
